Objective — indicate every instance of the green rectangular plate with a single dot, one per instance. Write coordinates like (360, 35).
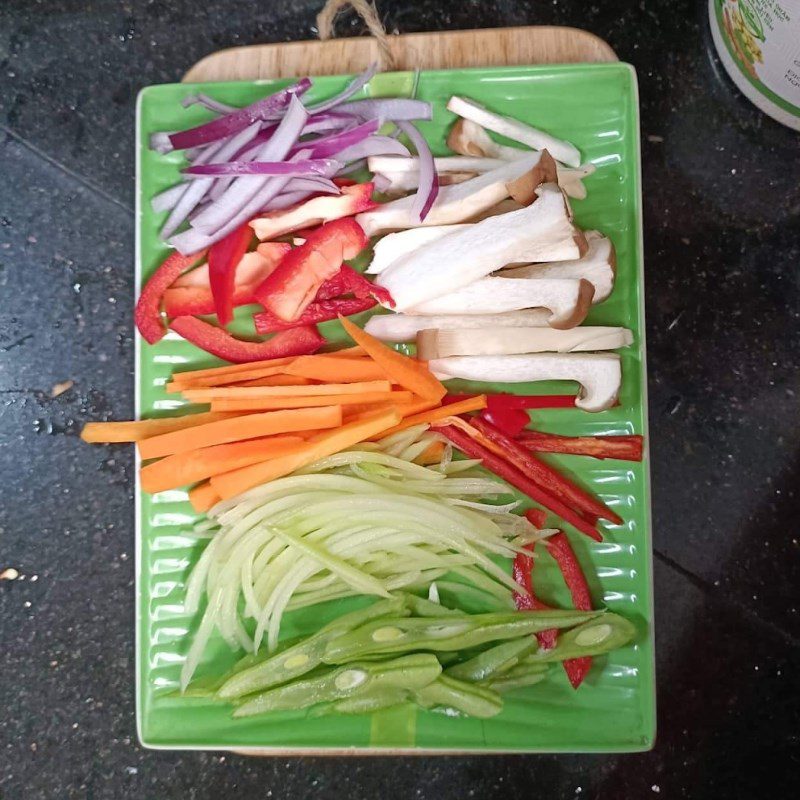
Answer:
(596, 107)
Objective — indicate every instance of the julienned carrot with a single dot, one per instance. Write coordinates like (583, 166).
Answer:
(276, 380)
(224, 380)
(366, 400)
(432, 454)
(408, 372)
(241, 392)
(336, 369)
(203, 496)
(184, 468)
(136, 430)
(237, 481)
(248, 426)
(462, 407)
(201, 375)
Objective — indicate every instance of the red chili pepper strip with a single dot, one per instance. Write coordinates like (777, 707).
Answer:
(509, 402)
(223, 258)
(537, 517)
(544, 475)
(302, 271)
(318, 311)
(148, 311)
(218, 342)
(523, 575)
(625, 448)
(562, 552)
(466, 443)
(348, 281)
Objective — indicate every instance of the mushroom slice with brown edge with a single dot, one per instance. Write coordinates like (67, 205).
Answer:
(523, 189)
(542, 231)
(598, 266)
(404, 327)
(563, 151)
(455, 203)
(395, 245)
(569, 301)
(500, 341)
(599, 374)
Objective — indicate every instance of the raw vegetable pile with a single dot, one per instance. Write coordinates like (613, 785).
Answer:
(331, 473)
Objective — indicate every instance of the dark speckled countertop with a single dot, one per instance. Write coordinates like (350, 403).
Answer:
(722, 249)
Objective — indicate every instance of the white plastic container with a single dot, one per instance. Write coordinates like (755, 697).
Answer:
(758, 42)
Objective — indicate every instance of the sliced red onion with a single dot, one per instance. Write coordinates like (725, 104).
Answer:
(355, 166)
(160, 142)
(208, 102)
(197, 189)
(167, 199)
(428, 179)
(298, 169)
(385, 109)
(362, 80)
(324, 185)
(286, 200)
(374, 146)
(328, 121)
(328, 146)
(264, 109)
(243, 190)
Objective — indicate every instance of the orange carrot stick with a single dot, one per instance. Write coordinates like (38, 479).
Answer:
(470, 404)
(276, 380)
(241, 392)
(248, 426)
(136, 430)
(195, 465)
(336, 369)
(223, 380)
(198, 376)
(408, 372)
(366, 400)
(203, 496)
(431, 455)
(229, 484)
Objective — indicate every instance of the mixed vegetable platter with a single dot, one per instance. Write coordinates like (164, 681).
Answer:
(321, 472)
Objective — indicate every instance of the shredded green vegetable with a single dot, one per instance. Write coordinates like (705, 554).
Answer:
(364, 521)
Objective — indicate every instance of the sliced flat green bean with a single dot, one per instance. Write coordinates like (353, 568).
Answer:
(421, 607)
(305, 656)
(593, 638)
(366, 703)
(515, 679)
(445, 633)
(346, 682)
(494, 661)
(468, 698)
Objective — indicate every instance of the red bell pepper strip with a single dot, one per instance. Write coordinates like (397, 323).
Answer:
(511, 421)
(341, 182)
(318, 311)
(348, 281)
(625, 448)
(218, 342)
(148, 312)
(544, 475)
(509, 472)
(295, 282)
(223, 258)
(564, 555)
(192, 301)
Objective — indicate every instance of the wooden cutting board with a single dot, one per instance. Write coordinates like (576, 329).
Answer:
(492, 47)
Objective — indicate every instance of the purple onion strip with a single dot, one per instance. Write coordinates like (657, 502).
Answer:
(386, 109)
(428, 179)
(374, 146)
(320, 166)
(362, 80)
(232, 123)
(208, 102)
(241, 192)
